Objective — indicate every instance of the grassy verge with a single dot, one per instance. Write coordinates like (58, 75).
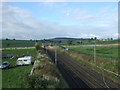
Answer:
(45, 74)
(13, 77)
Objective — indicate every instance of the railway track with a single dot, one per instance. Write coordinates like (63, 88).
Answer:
(79, 76)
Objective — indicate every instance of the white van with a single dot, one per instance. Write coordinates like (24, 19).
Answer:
(27, 60)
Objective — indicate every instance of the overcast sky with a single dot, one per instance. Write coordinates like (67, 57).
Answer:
(42, 20)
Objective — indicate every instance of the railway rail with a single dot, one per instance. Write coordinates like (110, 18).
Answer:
(78, 75)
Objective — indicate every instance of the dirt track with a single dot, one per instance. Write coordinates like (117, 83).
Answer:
(79, 76)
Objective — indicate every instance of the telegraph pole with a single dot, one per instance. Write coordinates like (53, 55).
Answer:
(46, 49)
(95, 53)
(55, 56)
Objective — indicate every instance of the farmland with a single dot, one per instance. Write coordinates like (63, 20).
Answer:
(101, 50)
(20, 51)
(17, 43)
(13, 77)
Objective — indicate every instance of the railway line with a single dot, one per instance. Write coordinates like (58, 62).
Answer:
(78, 75)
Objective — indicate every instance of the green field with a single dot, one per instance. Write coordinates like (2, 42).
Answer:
(13, 77)
(110, 51)
(31, 43)
(90, 42)
(100, 42)
(20, 51)
(17, 43)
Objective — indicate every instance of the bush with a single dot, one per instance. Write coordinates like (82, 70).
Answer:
(38, 81)
(35, 81)
(38, 46)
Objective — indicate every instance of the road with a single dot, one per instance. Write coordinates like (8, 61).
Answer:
(79, 76)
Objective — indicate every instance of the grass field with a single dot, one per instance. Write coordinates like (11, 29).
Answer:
(20, 51)
(13, 77)
(17, 43)
(91, 42)
(104, 50)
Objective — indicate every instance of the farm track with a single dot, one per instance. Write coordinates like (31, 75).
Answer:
(79, 76)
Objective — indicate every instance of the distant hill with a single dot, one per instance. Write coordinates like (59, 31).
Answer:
(64, 39)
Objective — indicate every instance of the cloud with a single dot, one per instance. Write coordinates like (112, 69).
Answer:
(89, 35)
(18, 23)
(49, 4)
(116, 35)
(104, 15)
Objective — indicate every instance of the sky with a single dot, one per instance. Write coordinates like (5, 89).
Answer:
(44, 20)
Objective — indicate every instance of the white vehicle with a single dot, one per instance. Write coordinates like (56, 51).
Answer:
(27, 60)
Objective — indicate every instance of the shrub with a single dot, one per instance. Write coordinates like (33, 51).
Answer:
(38, 81)
(38, 46)
(35, 81)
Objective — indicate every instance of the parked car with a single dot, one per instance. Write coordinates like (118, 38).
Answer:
(5, 65)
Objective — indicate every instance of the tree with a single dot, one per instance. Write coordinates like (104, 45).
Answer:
(78, 42)
(7, 39)
(111, 38)
(95, 38)
(36, 40)
(81, 42)
(92, 39)
(69, 42)
(38, 46)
